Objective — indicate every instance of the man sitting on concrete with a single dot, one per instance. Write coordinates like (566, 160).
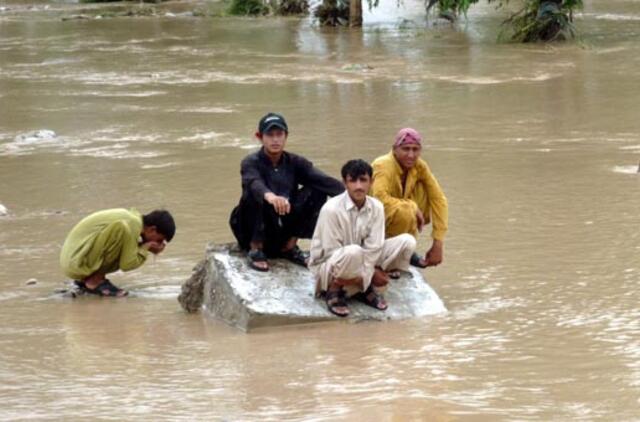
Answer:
(112, 240)
(411, 195)
(349, 254)
(274, 212)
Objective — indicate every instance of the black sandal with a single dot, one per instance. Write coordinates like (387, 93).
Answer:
(373, 299)
(335, 299)
(104, 289)
(415, 261)
(296, 255)
(257, 255)
(394, 274)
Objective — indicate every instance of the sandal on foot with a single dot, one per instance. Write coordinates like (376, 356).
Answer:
(256, 256)
(104, 289)
(393, 274)
(415, 261)
(334, 300)
(296, 255)
(373, 299)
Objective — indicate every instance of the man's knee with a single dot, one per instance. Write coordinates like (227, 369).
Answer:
(407, 242)
(406, 211)
(404, 220)
(353, 252)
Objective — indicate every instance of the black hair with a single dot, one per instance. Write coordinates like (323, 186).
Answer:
(355, 169)
(163, 221)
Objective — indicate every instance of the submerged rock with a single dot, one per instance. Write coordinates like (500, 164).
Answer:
(31, 282)
(226, 288)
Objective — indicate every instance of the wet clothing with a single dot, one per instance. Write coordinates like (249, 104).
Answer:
(420, 191)
(349, 242)
(256, 220)
(105, 241)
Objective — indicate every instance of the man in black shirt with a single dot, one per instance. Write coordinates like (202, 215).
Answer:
(274, 212)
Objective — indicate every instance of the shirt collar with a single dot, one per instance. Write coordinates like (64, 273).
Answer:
(349, 205)
(265, 158)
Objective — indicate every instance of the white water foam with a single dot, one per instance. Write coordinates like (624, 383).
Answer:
(470, 80)
(37, 140)
(633, 169)
(218, 139)
(205, 110)
(116, 151)
(614, 17)
(158, 166)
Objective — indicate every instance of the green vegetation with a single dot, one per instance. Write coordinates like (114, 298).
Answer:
(114, 1)
(537, 20)
(333, 12)
(247, 8)
(292, 7)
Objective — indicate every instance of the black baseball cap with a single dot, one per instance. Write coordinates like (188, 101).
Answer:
(271, 120)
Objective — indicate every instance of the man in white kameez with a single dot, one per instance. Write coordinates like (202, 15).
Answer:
(349, 254)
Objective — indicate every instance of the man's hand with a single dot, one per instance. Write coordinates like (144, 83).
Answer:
(380, 278)
(280, 203)
(420, 219)
(155, 247)
(434, 255)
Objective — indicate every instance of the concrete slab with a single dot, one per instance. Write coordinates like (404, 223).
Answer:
(226, 288)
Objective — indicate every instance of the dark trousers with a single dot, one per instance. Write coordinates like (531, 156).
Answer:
(253, 221)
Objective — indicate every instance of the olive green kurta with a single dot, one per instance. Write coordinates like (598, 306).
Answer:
(105, 241)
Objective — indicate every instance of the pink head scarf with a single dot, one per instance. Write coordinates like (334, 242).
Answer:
(407, 136)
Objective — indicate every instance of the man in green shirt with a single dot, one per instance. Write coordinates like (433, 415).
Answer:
(111, 240)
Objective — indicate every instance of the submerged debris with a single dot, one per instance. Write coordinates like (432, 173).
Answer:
(34, 136)
(356, 67)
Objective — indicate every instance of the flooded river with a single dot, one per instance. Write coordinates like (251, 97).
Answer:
(536, 147)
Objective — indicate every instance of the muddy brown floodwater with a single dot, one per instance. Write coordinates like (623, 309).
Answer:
(535, 146)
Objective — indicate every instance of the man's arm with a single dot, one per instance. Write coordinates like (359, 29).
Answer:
(317, 179)
(132, 255)
(438, 205)
(252, 179)
(439, 217)
(373, 242)
(327, 236)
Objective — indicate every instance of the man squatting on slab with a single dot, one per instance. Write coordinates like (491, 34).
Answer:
(411, 195)
(349, 253)
(274, 212)
(111, 240)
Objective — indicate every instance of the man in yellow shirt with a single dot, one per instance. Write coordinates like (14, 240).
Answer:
(411, 195)
(112, 240)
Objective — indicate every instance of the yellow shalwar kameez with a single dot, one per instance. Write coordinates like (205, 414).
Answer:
(421, 191)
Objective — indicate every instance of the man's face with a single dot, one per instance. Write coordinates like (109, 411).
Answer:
(151, 234)
(407, 155)
(358, 187)
(273, 140)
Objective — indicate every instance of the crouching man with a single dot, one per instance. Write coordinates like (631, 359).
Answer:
(111, 240)
(349, 254)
